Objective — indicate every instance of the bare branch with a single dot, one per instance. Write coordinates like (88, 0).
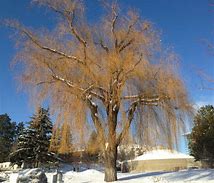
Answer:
(102, 45)
(114, 20)
(126, 45)
(135, 65)
(45, 82)
(129, 31)
(60, 53)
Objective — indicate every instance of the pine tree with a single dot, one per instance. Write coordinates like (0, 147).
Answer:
(66, 138)
(24, 152)
(19, 130)
(7, 135)
(42, 126)
(33, 143)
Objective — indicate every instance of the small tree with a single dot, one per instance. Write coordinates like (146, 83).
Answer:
(65, 146)
(201, 139)
(33, 143)
(7, 136)
(55, 140)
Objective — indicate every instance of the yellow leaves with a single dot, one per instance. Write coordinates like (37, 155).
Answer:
(122, 55)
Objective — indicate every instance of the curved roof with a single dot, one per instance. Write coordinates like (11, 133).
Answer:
(163, 154)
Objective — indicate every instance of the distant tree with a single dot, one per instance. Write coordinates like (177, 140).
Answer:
(33, 143)
(201, 139)
(113, 68)
(55, 140)
(66, 139)
(7, 135)
(19, 131)
(93, 146)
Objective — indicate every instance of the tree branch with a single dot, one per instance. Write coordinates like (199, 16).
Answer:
(60, 53)
(129, 31)
(114, 20)
(102, 45)
(126, 45)
(153, 101)
(94, 114)
(135, 65)
(128, 122)
(45, 82)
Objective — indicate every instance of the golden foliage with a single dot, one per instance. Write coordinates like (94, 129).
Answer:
(106, 75)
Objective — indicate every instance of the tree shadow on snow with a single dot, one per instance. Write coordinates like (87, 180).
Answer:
(192, 175)
(188, 175)
(137, 176)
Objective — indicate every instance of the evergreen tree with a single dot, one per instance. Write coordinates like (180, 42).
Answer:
(42, 126)
(66, 138)
(7, 134)
(201, 139)
(19, 128)
(33, 143)
(19, 131)
(24, 151)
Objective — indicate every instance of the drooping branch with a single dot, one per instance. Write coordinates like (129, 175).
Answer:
(125, 129)
(139, 100)
(94, 115)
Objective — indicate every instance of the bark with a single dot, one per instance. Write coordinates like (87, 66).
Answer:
(110, 158)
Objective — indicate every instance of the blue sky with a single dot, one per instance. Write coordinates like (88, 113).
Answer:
(184, 25)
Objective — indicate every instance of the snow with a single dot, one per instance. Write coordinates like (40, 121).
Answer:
(95, 176)
(163, 154)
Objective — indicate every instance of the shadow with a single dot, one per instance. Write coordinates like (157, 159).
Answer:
(2, 179)
(141, 175)
(191, 175)
(184, 175)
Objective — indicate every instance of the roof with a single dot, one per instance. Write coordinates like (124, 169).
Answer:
(163, 154)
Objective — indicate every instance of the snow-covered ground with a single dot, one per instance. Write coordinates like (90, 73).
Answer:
(95, 176)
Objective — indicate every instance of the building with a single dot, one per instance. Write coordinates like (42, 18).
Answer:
(159, 160)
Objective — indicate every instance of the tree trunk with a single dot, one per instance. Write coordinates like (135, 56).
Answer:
(110, 159)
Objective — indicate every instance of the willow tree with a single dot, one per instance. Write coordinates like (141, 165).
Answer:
(111, 73)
